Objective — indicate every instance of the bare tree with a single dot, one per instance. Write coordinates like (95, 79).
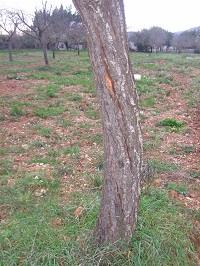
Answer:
(108, 47)
(141, 40)
(77, 34)
(37, 26)
(62, 20)
(8, 23)
(157, 37)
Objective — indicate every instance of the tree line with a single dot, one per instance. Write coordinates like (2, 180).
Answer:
(48, 27)
(158, 39)
(44, 29)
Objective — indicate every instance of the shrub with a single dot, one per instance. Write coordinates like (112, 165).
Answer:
(170, 122)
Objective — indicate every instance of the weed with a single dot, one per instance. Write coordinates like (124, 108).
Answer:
(181, 189)
(6, 166)
(42, 160)
(2, 118)
(46, 131)
(45, 112)
(188, 149)
(53, 153)
(148, 172)
(63, 169)
(160, 167)
(73, 150)
(75, 98)
(85, 125)
(171, 124)
(96, 181)
(149, 145)
(14, 77)
(91, 113)
(67, 123)
(38, 144)
(149, 102)
(79, 72)
(100, 164)
(17, 110)
(143, 117)
(193, 173)
(97, 139)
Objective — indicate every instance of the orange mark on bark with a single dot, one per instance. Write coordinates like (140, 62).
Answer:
(109, 84)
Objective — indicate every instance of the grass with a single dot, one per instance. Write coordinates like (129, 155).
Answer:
(181, 189)
(171, 124)
(52, 164)
(17, 110)
(49, 234)
(74, 150)
(45, 112)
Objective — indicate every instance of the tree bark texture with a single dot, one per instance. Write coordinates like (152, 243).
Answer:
(108, 48)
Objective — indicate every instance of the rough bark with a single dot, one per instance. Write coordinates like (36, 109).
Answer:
(108, 48)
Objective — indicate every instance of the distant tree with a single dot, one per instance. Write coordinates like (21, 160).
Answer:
(66, 27)
(151, 39)
(8, 23)
(27, 41)
(178, 42)
(37, 26)
(77, 34)
(169, 38)
(157, 38)
(109, 53)
(141, 40)
(60, 25)
(187, 40)
(197, 42)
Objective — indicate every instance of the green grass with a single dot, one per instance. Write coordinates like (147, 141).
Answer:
(181, 189)
(164, 166)
(41, 231)
(73, 150)
(67, 123)
(17, 110)
(45, 112)
(158, 241)
(53, 143)
(149, 102)
(171, 124)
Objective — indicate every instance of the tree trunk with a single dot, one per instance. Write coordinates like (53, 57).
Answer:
(54, 51)
(10, 50)
(118, 101)
(44, 48)
(78, 48)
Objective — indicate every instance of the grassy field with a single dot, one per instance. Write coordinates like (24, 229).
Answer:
(51, 162)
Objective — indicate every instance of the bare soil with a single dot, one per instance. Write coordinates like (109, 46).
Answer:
(186, 162)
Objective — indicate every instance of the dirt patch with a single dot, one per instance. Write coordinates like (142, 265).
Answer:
(170, 149)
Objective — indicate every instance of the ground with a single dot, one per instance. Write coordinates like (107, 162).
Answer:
(171, 156)
(178, 110)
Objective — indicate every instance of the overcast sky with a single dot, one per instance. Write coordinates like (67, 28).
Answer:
(171, 15)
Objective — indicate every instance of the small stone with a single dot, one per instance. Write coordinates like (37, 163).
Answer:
(25, 146)
(137, 76)
(78, 212)
(40, 193)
